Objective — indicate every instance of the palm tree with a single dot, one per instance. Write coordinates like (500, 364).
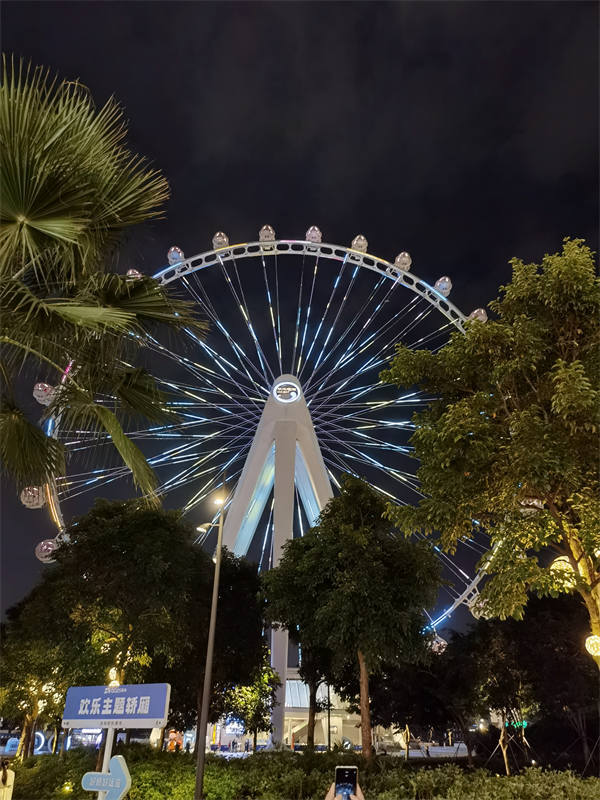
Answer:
(70, 187)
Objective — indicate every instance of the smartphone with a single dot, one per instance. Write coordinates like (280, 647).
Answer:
(346, 780)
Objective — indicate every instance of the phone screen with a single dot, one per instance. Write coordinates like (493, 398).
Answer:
(346, 779)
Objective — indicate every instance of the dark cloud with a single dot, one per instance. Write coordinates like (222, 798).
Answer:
(465, 132)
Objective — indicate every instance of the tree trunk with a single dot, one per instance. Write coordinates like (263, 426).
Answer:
(31, 743)
(254, 739)
(63, 744)
(469, 746)
(24, 739)
(504, 745)
(55, 741)
(579, 723)
(161, 740)
(312, 712)
(128, 736)
(365, 710)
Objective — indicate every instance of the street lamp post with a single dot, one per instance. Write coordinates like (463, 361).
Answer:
(201, 741)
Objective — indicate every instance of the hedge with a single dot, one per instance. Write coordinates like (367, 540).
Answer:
(293, 776)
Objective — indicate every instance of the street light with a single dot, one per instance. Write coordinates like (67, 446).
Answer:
(201, 741)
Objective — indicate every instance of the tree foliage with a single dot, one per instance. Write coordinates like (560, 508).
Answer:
(70, 188)
(252, 704)
(511, 441)
(354, 588)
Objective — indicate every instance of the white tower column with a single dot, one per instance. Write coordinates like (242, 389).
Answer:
(284, 455)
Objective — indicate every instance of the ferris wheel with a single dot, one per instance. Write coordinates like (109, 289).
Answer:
(327, 315)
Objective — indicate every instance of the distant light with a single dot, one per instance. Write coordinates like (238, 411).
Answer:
(592, 645)
(218, 501)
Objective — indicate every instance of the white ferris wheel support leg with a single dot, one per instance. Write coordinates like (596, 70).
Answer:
(284, 454)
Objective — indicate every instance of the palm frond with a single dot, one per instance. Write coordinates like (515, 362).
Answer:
(69, 184)
(26, 454)
(141, 472)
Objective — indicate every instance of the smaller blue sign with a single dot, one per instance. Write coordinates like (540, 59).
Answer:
(142, 705)
(116, 783)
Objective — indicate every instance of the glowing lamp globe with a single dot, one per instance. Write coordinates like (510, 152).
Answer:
(266, 234)
(592, 645)
(563, 569)
(33, 496)
(314, 235)
(43, 393)
(443, 285)
(219, 240)
(175, 255)
(360, 243)
(44, 551)
(479, 314)
(403, 261)
(133, 274)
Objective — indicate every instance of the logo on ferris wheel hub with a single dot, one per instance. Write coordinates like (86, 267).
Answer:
(286, 392)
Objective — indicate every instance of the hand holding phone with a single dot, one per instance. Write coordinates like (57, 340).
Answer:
(346, 781)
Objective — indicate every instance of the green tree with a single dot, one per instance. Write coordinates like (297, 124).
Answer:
(512, 439)
(561, 677)
(282, 589)
(70, 187)
(252, 704)
(124, 576)
(362, 588)
(238, 639)
(43, 653)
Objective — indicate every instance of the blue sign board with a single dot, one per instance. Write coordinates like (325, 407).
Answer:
(116, 783)
(142, 705)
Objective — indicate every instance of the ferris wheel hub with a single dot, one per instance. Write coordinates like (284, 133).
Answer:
(287, 389)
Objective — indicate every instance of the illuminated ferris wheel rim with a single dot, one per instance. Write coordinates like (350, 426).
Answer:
(329, 251)
(295, 247)
(180, 268)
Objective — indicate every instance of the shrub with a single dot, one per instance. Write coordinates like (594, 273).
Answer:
(293, 776)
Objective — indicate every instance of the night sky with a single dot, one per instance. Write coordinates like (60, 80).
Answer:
(465, 133)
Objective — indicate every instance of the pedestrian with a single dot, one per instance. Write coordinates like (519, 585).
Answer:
(7, 781)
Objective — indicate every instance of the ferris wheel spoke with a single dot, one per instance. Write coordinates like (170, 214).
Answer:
(214, 483)
(418, 343)
(323, 318)
(383, 354)
(200, 371)
(365, 309)
(353, 453)
(298, 312)
(274, 322)
(231, 453)
(246, 364)
(334, 323)
(365, 439)
(241, 304)
(299, 367)
(268, 532)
